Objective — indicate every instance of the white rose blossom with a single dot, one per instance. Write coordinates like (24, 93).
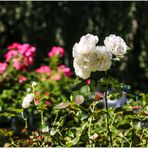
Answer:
(90, 58)
(27, 100)
(104, 57)
(116, 45)
(86, 45)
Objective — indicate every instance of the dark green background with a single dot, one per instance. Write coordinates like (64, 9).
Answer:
(45, 24)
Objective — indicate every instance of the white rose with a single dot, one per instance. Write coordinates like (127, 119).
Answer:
(27, 100)
(103, 61)
(97, 60)
(86, 45)
(81, 69)
(83, 53)
(116, 45)
(90, 58)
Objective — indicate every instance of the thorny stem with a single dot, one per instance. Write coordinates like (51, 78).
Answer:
(107, 120)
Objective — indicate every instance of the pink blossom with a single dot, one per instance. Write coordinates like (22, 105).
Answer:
(88, 81)
(65, 70)
(48, 102)
(44, 69)
(56, 50)
(26, 50)
(21, 54)
(3, 67)
(56, 77)
(10, 54)
(17, 64)
(13, 46)
(36, 102)
(99, 96)
(22, 79)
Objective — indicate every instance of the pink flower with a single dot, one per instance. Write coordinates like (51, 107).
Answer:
(56, 77)
(21, 54)
(65, 70)
(10, 54)
(56, 50)
(36, 102)
(13, 46)
(88, 81)
(22, 79)
(3, 67)
(99, 96)
(17, 65)
(44, 69)
(26, 50)
(48, 102)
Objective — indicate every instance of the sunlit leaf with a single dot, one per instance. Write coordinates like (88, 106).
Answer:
(62, 105)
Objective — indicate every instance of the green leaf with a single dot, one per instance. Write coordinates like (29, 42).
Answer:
(62, 105)
(73, 141)
(5, 132)
(128, 113)
(119, 109)
(53, 132)
(17, 110)
(124, 126)
(136, 139)
(6, 114)
(85, 90)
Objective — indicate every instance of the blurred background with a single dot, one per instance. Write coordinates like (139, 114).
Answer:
(46, 24)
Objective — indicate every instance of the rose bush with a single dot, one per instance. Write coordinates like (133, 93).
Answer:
(50, 108)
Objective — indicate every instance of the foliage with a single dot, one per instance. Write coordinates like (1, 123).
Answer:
(42, 105)
(66, 112)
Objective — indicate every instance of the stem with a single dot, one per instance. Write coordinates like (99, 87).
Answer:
(42, 119)
(26, 124)
(55, 119)
(106, 105)
(90, 123)
(89, 129)
(25, 119)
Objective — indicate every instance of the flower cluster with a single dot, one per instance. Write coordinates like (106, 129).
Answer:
(88, 57)
(44, 70)
(22, 55)
(56, 50)
(66, 70)
(60, 70)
